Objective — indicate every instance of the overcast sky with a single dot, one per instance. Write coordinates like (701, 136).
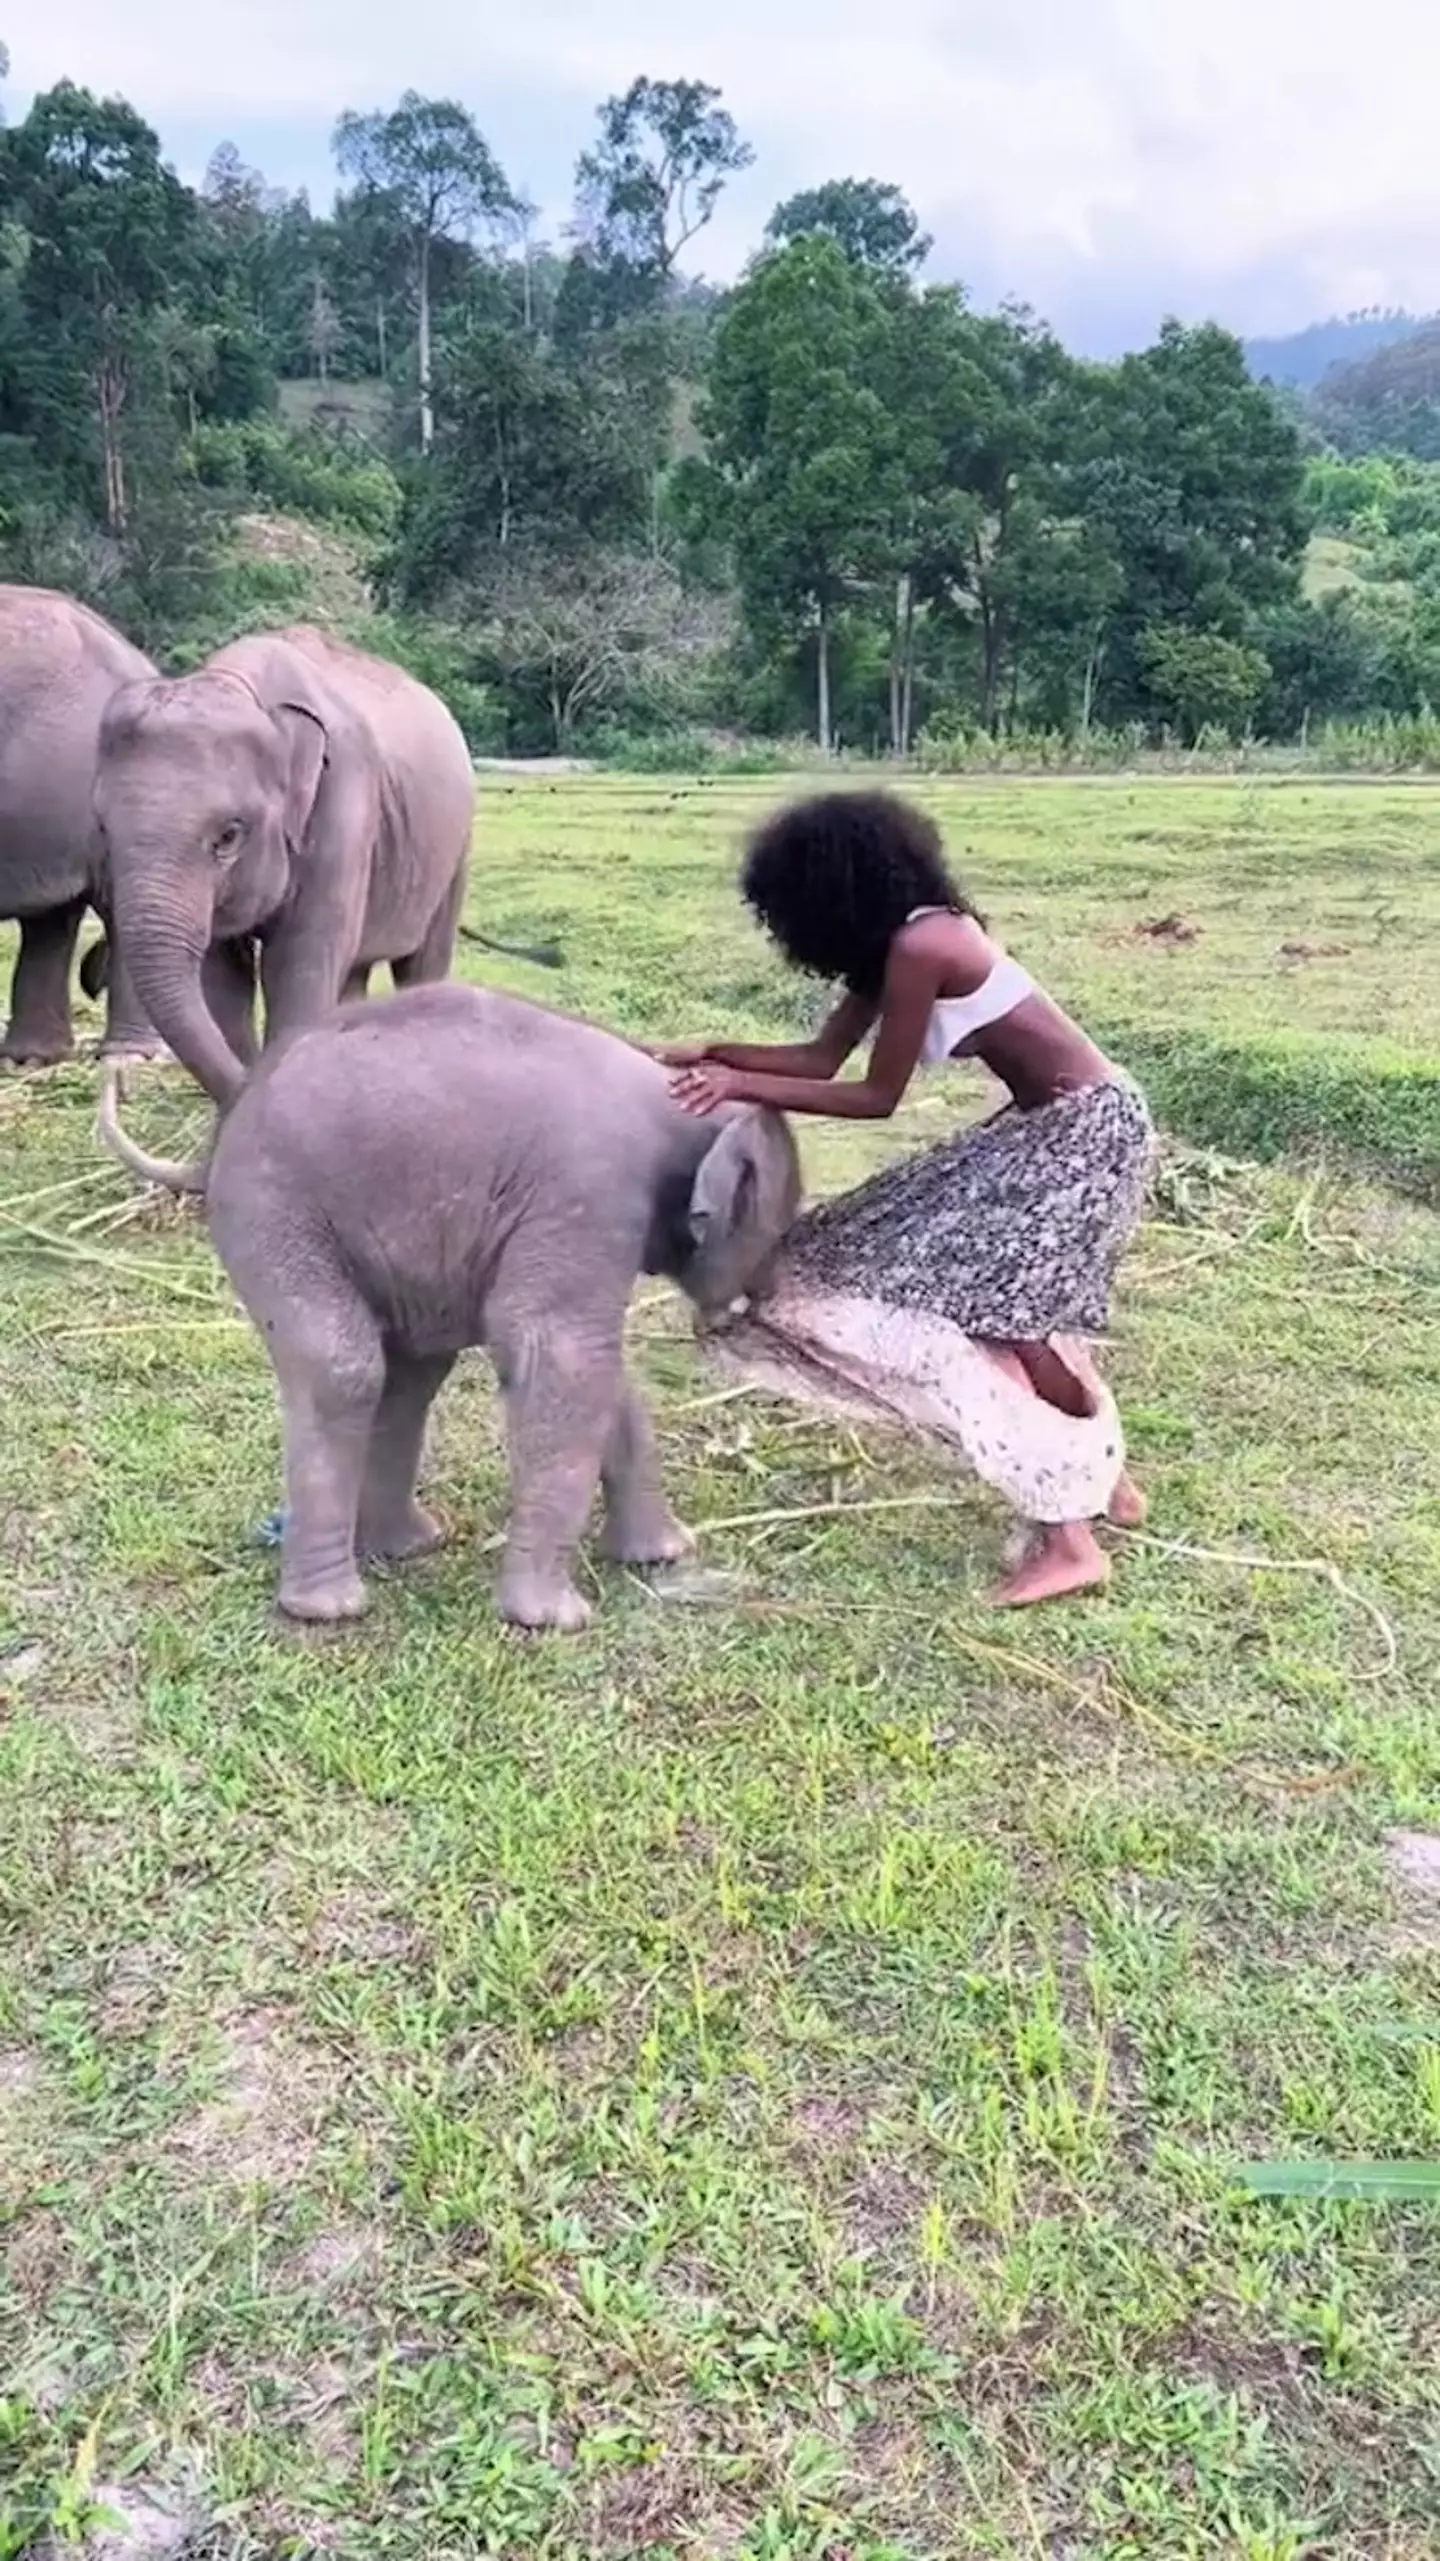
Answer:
(1265, 162)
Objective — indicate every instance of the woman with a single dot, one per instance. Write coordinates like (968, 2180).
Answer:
(1013, 1230)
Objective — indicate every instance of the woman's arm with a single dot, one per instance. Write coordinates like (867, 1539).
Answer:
(841, 1033)
(726, 1076)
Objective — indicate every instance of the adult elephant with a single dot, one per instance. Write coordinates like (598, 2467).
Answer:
(295, 795)
(60, 664)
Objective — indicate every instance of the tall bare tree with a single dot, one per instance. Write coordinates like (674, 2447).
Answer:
(430, 157)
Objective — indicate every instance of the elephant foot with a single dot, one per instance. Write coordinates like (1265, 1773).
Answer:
(661, 1540)
(527, 1602)
(147, 1046)
(325, 1604)
(415, 1533)
(22, 1048)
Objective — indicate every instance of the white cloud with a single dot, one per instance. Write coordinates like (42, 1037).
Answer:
(1273, 154)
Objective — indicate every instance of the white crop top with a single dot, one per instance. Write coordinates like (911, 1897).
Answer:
(956, 1018)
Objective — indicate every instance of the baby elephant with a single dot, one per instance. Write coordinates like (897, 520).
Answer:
(456, 1167)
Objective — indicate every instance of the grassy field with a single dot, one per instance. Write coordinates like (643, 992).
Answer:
(767, 2079)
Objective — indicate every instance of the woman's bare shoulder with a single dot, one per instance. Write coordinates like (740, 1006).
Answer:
(957, 946)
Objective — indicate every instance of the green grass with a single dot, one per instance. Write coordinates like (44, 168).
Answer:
(770, 2079)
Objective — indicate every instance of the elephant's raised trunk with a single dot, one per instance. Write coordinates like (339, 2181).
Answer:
(173, 1173)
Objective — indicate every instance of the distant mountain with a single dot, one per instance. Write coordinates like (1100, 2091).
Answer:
(1387, 403)
(1303, 358)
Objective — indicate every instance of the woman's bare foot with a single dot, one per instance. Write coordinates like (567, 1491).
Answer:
(1128, 1506)
(1064, 1557)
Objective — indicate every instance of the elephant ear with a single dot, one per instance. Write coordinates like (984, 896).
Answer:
(748, 1182)
(306, 747)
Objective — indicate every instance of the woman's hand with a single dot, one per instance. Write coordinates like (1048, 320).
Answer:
(702, 1085)
(680, 1053)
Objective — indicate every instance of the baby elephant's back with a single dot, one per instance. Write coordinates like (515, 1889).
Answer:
(436, 1116)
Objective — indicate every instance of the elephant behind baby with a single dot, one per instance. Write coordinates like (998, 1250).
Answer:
(293, 795)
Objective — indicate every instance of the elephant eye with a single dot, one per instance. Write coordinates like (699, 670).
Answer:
(229, 837)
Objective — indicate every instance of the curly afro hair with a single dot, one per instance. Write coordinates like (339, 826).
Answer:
(833, 879)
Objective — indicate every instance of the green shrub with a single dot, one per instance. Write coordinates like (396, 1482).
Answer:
(299, 472)
(1288, 1095)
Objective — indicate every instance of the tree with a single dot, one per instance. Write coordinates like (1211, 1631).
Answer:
(535, 455)
(368, 254)
(802, 447)
(1333, 661)
(326, 331)
(1196, 482)
(984, 405)
(236, 195)
(614, 627)
(114, 238)
(653, 179)
(1204, 681)
(872, 222)
(647, 188)
(430, 156)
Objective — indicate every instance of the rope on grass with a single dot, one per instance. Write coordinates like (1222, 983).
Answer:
(830, 1511)
(54, 1191)
(66, 1248)
(1105, 1693)
(1242, 1561)
(158, 1324)
(1237, 1559)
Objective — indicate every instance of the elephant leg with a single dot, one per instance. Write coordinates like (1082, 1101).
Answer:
(357, 983)
(331, 1372)
(561, 1385)
(300, 977)
(40, 1031)
(640, 1528)
(129, 1032)
(436, 953)
(392, 1523)
(228, 979)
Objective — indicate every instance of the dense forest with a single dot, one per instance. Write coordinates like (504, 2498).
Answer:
(600, 504)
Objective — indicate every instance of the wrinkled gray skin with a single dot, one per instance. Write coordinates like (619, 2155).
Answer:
(293, 794)
(456, 1167)
(59, 666)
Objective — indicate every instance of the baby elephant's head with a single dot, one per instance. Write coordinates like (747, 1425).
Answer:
(743, 1199)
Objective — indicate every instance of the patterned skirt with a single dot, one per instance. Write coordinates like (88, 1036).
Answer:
(1011, 1231)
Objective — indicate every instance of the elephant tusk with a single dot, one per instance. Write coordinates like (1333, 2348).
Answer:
(169, 1171)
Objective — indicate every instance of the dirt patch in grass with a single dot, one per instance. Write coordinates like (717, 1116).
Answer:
(152, 2523)
(1414, 1862)
(1168, 930)
(36, 2254)
(262, 2126)
(340, 2259)
(135, 1988)
(19, 2073)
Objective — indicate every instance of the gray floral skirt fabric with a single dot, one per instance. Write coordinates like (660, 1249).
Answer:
(1012, 1230)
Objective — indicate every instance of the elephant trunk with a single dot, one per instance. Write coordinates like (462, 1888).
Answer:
(166, 961)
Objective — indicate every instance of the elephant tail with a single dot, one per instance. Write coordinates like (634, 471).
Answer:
(168, 1171)
(95, 968)
(542, 955)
